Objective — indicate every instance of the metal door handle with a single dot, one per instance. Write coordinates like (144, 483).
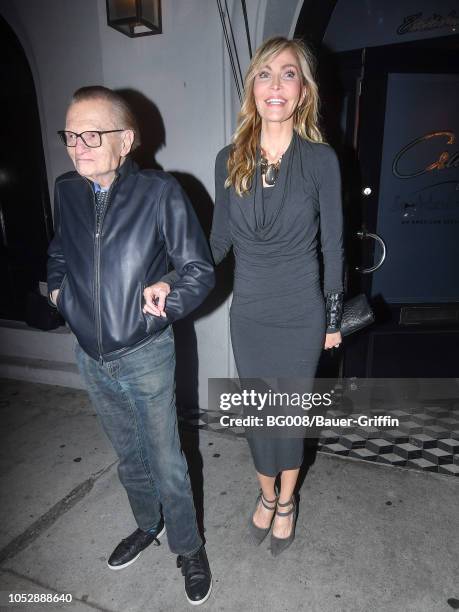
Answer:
(363, 236)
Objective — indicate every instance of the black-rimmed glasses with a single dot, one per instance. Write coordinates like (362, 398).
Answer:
(91, 138)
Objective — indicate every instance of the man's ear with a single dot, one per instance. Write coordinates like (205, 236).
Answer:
(126, 143)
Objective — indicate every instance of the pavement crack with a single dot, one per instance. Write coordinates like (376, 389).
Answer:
(46, 587)
(43, 523)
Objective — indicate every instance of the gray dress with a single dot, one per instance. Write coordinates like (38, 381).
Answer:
(277, 315)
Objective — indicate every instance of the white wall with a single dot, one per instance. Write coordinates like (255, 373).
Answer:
(181, 71)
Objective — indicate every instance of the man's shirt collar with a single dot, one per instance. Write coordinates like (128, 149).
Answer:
(98, 188)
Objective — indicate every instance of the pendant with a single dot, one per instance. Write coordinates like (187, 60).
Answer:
(271, 174)
(270, 171)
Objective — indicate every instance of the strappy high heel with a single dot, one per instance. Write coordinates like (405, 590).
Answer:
(259, 533)
(278, 545)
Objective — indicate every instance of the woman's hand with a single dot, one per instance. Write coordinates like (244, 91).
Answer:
(333, 340)
(155, 299)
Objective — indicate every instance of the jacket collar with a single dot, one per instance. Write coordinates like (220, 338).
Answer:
(128, 167)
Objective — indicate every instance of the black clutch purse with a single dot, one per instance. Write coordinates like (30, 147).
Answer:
(357, 314)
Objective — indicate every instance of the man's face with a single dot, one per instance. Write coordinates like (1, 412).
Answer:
(97, 164)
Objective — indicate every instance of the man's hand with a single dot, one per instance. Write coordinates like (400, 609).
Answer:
(53, 296)
(333, 340)
(155, 298)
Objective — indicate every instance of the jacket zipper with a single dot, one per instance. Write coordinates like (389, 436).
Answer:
(97, 265)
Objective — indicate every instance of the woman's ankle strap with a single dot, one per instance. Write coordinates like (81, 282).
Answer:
(265, 501)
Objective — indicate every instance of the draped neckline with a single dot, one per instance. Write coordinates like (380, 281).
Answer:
(253, 205)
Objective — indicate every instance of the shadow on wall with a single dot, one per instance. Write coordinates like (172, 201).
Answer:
(151, 125)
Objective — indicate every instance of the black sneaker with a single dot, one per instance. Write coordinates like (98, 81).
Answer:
(198, 579)
(129, 549)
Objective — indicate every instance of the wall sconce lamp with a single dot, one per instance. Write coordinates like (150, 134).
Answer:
(135, 17)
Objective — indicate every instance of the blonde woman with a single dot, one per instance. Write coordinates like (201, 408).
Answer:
(278, 200)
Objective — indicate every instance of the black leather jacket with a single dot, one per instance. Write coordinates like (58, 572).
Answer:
(148, 222)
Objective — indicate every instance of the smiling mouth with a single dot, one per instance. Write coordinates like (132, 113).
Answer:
(275, 101)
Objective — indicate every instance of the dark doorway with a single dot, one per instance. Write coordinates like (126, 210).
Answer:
(25, 213)
(408, 155)
(390, 112)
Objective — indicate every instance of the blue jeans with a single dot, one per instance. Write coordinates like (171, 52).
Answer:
(134, 398)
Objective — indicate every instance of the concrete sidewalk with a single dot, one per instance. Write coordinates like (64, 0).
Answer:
(369, 537)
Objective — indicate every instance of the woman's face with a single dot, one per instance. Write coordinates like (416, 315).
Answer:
(278, 89)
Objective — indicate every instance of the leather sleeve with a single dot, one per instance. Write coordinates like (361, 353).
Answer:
(188, 252)
(56, 267)
(170, 278)
(220, 239)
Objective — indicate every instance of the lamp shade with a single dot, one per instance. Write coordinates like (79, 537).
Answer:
(135, 17)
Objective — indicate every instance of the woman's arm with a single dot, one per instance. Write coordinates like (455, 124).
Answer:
(331, 234)
(220, 236)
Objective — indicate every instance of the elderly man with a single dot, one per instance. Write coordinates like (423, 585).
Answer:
(116, 229)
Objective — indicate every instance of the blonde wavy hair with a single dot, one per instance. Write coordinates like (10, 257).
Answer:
(246, 138)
